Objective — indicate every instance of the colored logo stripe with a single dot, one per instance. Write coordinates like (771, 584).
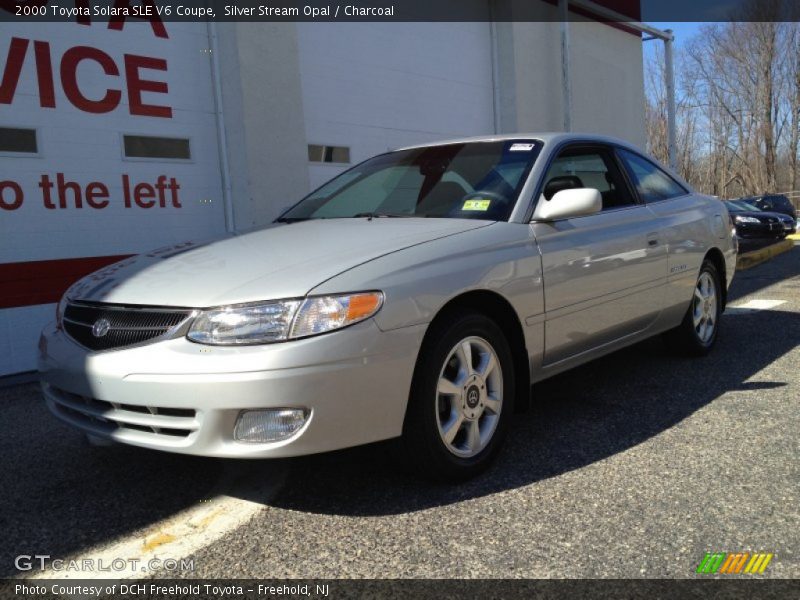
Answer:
(733, 562)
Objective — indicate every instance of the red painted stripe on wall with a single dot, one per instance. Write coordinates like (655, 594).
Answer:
(45, 281)
(628, 8)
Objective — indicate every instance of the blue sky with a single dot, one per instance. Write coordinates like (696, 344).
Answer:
(683, 32)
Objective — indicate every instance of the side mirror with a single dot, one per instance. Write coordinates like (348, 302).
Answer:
(575, 202)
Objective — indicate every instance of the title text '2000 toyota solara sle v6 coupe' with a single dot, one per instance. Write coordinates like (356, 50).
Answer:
(415, 296)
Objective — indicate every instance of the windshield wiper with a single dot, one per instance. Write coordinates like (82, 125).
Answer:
(291, 219)
(368, 215)
(381, 215)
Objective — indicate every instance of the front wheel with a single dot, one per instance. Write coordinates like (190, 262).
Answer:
(697, 333)
(462, 396)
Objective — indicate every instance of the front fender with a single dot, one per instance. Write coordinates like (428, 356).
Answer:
(417, 282)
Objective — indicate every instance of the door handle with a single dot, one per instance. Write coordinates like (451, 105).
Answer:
(653, 242)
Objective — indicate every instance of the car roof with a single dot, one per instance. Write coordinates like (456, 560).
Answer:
(548, 137)
(555, 138)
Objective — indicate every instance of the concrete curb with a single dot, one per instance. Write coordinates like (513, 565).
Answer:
(756, 257)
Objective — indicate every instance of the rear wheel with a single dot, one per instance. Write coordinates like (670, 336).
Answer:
(697, 333)
(462, 396)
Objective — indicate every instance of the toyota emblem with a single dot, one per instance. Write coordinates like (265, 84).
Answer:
(100, 327)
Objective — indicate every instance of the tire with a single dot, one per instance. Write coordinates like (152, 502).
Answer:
(692, 337)
(457, 418)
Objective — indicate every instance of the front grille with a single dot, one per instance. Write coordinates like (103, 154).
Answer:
(126, 325)
(108, 417)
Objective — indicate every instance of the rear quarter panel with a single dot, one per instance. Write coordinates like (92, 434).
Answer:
(691, 225)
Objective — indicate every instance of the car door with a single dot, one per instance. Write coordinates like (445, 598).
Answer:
(603, 273)
(683, 219)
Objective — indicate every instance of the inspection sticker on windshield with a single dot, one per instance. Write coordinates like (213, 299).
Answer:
(521, 148)
(476, 205)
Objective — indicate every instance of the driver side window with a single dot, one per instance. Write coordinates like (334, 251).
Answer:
(588, 168)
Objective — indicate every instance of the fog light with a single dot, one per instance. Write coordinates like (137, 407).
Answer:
(269, 425)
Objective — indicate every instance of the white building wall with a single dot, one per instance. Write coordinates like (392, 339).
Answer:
(263, 112)
(607, 82)
(19, 329)
(381, 86)
(606, 79)
(87, 147)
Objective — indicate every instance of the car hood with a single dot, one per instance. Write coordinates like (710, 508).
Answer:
(280, 261)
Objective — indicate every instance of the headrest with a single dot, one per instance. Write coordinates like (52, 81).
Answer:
(563, 182)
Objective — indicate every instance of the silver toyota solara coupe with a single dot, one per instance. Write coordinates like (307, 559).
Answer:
(415, 296)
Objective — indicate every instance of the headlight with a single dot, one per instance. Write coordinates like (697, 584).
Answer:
(746, 220)
(244, 324)
(282, 320)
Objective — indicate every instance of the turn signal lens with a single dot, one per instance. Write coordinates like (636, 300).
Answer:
(362, 306)
(326, 313)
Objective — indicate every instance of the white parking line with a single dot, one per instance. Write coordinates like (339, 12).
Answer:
(172, 539)
(753, 306)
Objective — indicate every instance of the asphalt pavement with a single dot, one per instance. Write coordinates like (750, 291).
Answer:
(635, 465)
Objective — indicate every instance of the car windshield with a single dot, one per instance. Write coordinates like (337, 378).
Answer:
(475, 180)
(742, 206)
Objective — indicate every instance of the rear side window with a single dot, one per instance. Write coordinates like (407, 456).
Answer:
(764, 203)
(652, 183)
(777, 202)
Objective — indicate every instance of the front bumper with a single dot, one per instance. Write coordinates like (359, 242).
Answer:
(183, 397)
(750, 231)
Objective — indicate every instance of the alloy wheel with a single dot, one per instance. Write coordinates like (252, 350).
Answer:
(469, 397)
(704, 309)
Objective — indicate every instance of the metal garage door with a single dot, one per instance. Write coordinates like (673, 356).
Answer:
(108, 147)
(370, 88)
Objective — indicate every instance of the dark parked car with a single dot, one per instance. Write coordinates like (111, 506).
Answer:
(777, 203)
(751, 223)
